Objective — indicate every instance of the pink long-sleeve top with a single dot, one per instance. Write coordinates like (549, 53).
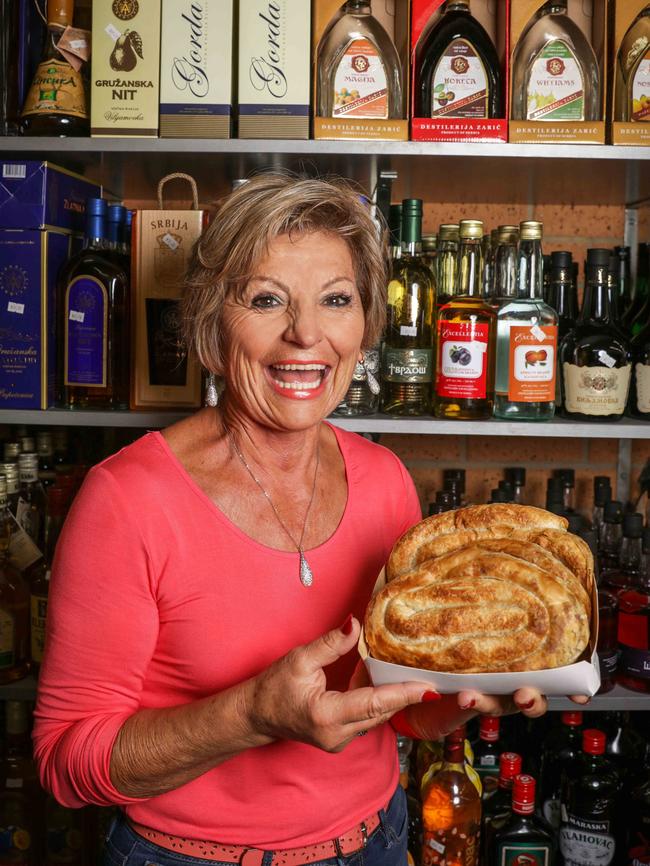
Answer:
(157, 599)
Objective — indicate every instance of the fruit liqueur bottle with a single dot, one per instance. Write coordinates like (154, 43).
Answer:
(555, 73)
(14, 603)
(595, 357)
(639, 404)
(451, 810)
(20, 795)
(525, 838)
(358, 68)
(526, 340)
(637, 842)
(505, 264)
(489, 261)
(498, 808)
(632, 82)
(407, 355)
(429, 257)
(634, 629)
(466, 338)
(486, 754)
(56, 102)
(560, 751)
(93, 304)
(458, 73)
(637, 314)
(447, 262)
(589, 808)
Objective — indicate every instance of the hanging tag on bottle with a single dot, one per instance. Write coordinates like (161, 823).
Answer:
(22, 550)
(74, 45)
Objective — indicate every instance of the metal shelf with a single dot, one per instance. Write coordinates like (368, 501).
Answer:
(618, 699)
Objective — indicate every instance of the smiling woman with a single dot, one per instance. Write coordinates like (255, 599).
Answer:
(205, 680)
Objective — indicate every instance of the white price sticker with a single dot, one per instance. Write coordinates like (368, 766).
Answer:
(76, 316)
(170, 241)
(606, 359)
(113, 32)
(408, 331)
(78, 44)
(432, 843)
(13, 307)
(16, 170)
(537, 332)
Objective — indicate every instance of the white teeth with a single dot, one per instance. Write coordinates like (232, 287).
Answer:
(298, 366)
(298, 386)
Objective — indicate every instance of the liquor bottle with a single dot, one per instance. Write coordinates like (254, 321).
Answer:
(56, 103)
(60, 443)
(607, 646)
(546, 280)
(632, 77)
(447, 256)
(115, 219)
(45, 451)
(505, 264)
(362, 397)
(452, 487)
(524, 838)
(358, 68)
(568, 480)
(595, 356)
(93, 304)
(612, 288)
(637, 842)
(30, 510)
(466, 338)
(555, 496)
(624, 277)
(639, 404)
(637, 312)
(626, 747)
(395, 231)
(602, 495)
(486, 754)
(12, 480)
(634, 629)
(458, 72)
(490, 243)
(564, 300)
(14, 604)
(20, 795)
(451, 810)
(516, 475)
(560, 751)
(555, 74)
(458, 475)
(626, 572)
(588, 830)
(407, 354)
(498, 808)
(27, 445)
(610, 541)
(526, 340)
(429, 257)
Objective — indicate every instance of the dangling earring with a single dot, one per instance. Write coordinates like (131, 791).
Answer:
(373, 384)
(211, 393)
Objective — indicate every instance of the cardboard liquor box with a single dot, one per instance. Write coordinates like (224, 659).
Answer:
(394, 16)
(274, 61)
(30, 261)
(163, 375)
(580, 678)
(125, 68)
(591, 16)
(636, 132)
(196, 65)
(40, 195)
(493, 15)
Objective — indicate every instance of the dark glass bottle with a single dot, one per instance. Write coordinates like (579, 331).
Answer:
(602, 495)
(595, 357)
(560, 750)
(638, 825)
(486, 754)
(516, 475)
(638, 313)
(639, 403)
(610, 541)
(458, 72)
(498, 808)
(626, 748)
(56, 103)
(93, 304)
(456, 475)
(563, 296)
(634, 628)
(624, 278)
(525, 837)
(21, 800)
(590, 806)
(629, 558)
(607, 648)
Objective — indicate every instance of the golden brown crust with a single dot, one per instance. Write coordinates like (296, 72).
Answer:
(477, 610)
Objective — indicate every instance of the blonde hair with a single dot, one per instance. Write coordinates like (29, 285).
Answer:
(269, 205)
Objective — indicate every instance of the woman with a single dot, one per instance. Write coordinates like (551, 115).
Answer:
(209, 582)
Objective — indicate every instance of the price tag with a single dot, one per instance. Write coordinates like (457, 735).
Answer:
(408, 331)
(22, 550)
(433, 843)
(537, 333)
(606, 358)
(77, 44)
(13, 307)
(76, 316)
(113, 32)
(170, 241)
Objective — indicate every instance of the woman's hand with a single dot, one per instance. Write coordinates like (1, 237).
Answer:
(290, 700)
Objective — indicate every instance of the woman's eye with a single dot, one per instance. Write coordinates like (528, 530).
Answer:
(340, 300)
(265, 302)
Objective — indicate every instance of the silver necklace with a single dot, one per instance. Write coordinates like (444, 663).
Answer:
(306, 574)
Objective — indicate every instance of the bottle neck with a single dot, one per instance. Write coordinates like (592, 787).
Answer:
(612, 535)
(54, 33)
(358, 7)
(631, 553)
(596, 307)
(412, 235)
(506, 271)
(470, 268)
(563, 294)
(531, 270)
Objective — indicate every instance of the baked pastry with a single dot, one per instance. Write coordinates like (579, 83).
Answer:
(478, 610)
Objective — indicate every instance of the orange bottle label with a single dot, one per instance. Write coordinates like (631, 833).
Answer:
(532, 366)
(360, 84)
(57, 88)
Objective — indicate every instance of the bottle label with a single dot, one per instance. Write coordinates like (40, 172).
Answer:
(641, 90)
(57, 88)
(555, 86)
(551, 811)
(462, 360)
(532, 364)
(86, 333)
(29, 519)
(596, 390)
(460, 84)
(642, 372)
(446, 846)
(608, 662)
(584, 842)
(634, 634)
(360, 83)
(38, 619)
(408, 365)
(524, 855)
(7, 641)
(15, 842)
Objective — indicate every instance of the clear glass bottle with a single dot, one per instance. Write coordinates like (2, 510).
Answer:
(447, 261)
(30, 510)
(505, 264)
(466, 338)
(359, 73)
(10, 472)
(632, 76)
(429, 257)
(489, 251)
(14, 603)
(458, 72)
(407, 353)
(526, 340)
(595, 357)
(555, 74)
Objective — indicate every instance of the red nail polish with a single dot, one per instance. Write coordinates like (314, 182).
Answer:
(346, 628)
(469, 706)
(527, 706)
(427, 697)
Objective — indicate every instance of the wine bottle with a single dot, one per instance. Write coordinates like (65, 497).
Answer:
(632, 82)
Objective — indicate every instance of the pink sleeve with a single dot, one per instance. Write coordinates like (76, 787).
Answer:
(102, 628)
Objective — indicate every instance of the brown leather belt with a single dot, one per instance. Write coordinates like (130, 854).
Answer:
(343, 846)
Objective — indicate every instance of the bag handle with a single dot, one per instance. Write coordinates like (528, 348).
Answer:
(183, 176)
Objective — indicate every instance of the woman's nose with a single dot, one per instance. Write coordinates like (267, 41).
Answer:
(304, 326)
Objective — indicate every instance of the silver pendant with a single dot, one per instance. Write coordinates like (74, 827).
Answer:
(306, 576)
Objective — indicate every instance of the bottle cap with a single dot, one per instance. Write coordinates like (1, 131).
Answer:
(11, 450)
(411, 207)
(516, 475)
(568, 476)
(489, 728)
(116, 213)
(602, 490)
(633, 525)
(572, 718)
(471, 229)
(593, 741)
(509, 765)
(531, 230)
(597, 258)
(448, 232)
(561, 260)
(523, 795)
(508, 235)
(27, 443)
(498, 496)
(96, 207)
(429, 243)
(613, 511)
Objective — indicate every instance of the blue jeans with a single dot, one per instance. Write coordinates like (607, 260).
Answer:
(385, 847)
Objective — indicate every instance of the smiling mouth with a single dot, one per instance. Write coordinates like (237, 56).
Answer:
(298, 377)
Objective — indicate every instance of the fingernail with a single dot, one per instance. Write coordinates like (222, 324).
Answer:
(528, 705)
(346, 628)
(427, 697)
(469, 705)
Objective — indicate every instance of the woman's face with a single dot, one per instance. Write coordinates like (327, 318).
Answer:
(293, 338)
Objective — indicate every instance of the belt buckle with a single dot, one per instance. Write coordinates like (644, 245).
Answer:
(364, 834)
(364, 842)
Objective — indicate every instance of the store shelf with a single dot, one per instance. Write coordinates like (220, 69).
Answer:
(618, 699)
(21, 690)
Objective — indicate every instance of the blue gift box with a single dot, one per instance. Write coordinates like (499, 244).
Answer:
(29, 263)
(40, 195)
